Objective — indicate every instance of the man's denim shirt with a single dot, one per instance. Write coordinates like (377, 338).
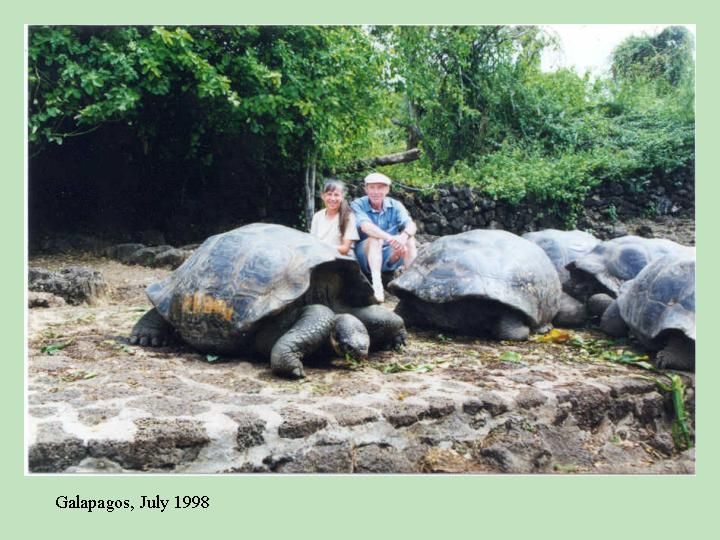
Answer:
(392, 218)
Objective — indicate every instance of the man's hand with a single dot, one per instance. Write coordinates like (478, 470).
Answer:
(398, 243)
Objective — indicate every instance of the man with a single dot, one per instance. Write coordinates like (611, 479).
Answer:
(386, 232)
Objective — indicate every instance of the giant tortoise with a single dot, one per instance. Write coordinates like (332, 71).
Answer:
(613, 262)
(272, 290)
(597, 276)
(658, 307)
(564, 247)
(480, 281)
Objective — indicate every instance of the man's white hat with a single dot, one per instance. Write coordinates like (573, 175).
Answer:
(377, 178)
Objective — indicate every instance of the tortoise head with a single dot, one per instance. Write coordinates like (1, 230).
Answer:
(349, 337)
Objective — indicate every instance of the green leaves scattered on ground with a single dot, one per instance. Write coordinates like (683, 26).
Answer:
(511, 356)
(616, 351)
(118, 346)
(54, 348)
(80, 375)
(681, 428)
(397, 367)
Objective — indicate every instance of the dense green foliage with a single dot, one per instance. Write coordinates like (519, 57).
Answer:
(473, 98)
(490, 117)
(303, 88)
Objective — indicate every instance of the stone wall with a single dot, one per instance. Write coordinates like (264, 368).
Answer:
(450, 209)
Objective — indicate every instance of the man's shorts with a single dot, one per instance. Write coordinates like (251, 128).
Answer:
(387, 266)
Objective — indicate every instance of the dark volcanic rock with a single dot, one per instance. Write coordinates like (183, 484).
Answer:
(349, 415)
(250, 430)
(158, 444)
(377, 458)
(75, 284)
(332, 458)
(54, 449)
(298, 423)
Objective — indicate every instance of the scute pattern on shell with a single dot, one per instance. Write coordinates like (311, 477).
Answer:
(616, 261)
(487, 265)
(563, 247)
(660, 298)
(238, 278)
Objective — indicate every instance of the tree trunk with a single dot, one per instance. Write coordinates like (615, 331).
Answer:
(310, 174)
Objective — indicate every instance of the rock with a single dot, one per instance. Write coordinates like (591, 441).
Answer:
(588, 404)
(516, 448)
(333, 458)
(529, 398)
(649, 407)
(349, 415)
(54, 449)
(403, 414)
(444, 460)
(250, 430)
(171, 258)
(146, 256)
(298, 423)
(380, 458)
(489, 401)
(75, 284)
(158, 444)
(622, 386)
(122, 252)
(663, 442)
(44, 300)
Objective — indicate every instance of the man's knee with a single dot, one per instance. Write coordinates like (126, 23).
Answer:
(371, 244)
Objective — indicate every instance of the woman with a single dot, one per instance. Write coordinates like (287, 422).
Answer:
(335, 224)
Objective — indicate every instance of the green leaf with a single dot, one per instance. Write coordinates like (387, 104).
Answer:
(55, 347)
(510, 356)
(212, 358)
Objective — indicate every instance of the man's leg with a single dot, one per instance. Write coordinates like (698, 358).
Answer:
(411, 251)
(373, 253)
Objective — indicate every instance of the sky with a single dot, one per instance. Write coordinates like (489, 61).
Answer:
(588, 46)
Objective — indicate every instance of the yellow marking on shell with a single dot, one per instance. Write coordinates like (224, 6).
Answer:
(204, 304)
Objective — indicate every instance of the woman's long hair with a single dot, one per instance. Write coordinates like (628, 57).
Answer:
(344, 212)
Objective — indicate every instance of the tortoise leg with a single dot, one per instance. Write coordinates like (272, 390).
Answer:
(597, 304)
(511, 326)
(679, 353)
(152, 330)
(612, 323)
(306, 336)
(572, 312)
(386, 329)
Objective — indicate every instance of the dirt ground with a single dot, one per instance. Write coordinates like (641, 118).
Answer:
(92, 352)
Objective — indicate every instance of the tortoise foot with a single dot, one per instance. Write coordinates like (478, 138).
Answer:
(152, 331)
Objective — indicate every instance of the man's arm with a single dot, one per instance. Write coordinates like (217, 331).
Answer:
(373, 231)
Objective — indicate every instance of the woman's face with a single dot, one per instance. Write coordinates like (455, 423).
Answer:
(332, 199)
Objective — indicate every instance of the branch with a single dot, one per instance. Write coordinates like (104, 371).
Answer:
(389, 159)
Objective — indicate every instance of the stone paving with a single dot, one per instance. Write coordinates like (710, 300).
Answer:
(443, 404)
(171, 410)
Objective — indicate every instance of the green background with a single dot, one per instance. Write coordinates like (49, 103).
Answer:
(343, 506)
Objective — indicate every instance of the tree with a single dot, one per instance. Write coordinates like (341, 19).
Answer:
(665, 58)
